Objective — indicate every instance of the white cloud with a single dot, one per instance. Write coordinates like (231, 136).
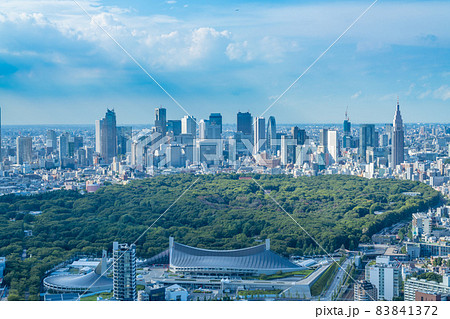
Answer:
(424, 94)
(171, 2)
(356, 95)
(239, 51)
(443, 93)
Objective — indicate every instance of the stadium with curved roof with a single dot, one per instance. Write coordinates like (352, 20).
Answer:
(239, 262)
(91, 282)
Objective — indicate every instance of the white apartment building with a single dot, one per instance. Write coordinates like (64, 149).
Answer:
(385, 276)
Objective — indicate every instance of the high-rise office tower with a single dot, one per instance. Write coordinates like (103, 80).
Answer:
(24, 150)
(398, 139)
(124, 272)
(294, 132)
(106, 136)
(174, 126)
(367, 137)
(302, 137)
(209, 130)
(299, 135)
(124, 139)
(78, 142)
(98, 137)
(51, 141)
(346, 138)
(333, 144)
(244, 123)
(272, 135)
(189, 125)
(323, 138)
(215, 119)
(203, 127)
(260, 135)
(347, 125)
(63, 145)
(160, 120)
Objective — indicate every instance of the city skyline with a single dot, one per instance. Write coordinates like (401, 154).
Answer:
(209, 57)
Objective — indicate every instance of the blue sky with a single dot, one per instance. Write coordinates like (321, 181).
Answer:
(57, 66)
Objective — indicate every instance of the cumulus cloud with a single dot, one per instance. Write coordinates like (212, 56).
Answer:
(268, 49)
(184, 49)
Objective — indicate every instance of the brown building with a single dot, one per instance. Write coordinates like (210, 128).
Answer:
(364, 291)
(427, 296)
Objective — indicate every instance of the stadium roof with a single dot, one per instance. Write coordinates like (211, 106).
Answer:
(258, 258)
(91, 281)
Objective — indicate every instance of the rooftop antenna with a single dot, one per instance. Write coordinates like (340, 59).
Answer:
(346, 113)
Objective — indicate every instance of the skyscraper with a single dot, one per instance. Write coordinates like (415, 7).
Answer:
(244, 123)
(124, 272)
(174, 126)
(203, 127)
(299, 135)
(124, 139)
(24, 150)
(398, 139)
(51, 141)
(333, 144)
(189, 125)
(367, 137)
(272, 135)
(160, 120)
(323, 138)
(215, 119)
(106, 136)
(260, 135)
(347, 137)
(63, 146)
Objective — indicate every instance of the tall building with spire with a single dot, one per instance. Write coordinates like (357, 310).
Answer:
(347, 137)
(398, 139)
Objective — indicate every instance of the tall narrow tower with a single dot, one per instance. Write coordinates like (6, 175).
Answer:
(106, 136)
(160, 120)
(124, 272)
(398, 139)
(259, 135)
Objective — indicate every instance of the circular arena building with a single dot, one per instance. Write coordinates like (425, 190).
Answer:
(89, 283)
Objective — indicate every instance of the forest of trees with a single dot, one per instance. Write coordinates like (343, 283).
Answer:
(218, 212)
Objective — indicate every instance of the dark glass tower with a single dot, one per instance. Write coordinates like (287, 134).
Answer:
(244, 123)
(160, 120)
(367, 137)
(215, 119)
(272, 135)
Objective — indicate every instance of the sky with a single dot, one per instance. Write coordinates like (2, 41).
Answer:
(57, 66)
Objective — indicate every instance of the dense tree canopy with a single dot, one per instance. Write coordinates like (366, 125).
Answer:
(218, 212)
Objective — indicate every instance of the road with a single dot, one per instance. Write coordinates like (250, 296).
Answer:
(336, 284)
